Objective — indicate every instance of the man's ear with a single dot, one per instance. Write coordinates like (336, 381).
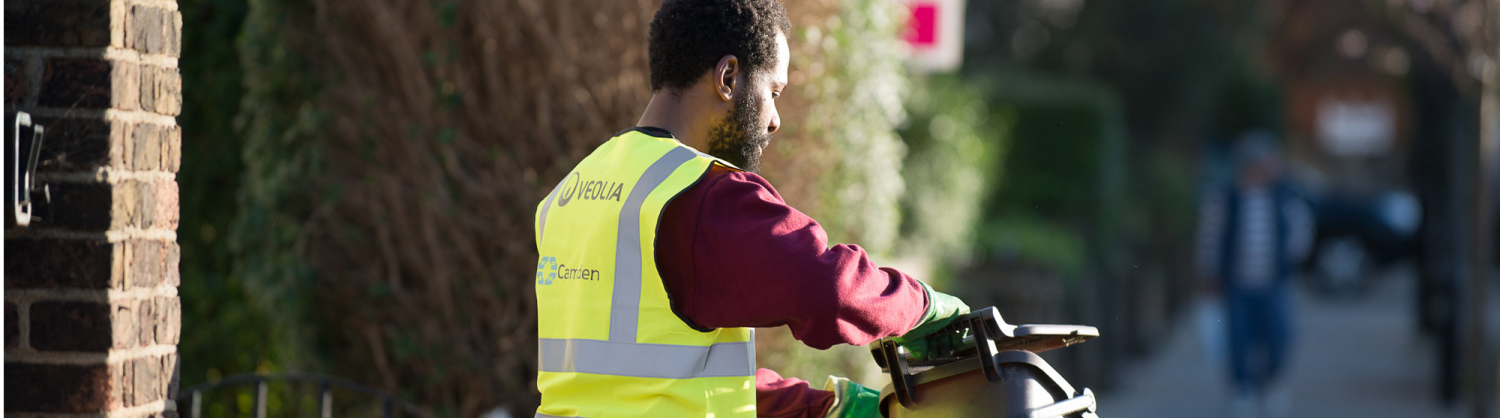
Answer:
(724, 76)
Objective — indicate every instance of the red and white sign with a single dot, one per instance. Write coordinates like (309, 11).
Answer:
(1353, 127)
(935, 34)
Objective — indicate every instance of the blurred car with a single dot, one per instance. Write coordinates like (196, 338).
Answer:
(1358, 235)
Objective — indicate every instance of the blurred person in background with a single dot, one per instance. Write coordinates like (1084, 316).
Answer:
(657, 260)
(1251, 236)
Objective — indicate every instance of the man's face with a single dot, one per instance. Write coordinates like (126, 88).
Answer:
(1262, 171)
(741, 136)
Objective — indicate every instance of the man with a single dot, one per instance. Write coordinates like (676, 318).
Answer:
(1251, 235)
(658, 260)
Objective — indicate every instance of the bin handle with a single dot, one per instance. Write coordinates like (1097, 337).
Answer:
(896, 365)
(1084, 402)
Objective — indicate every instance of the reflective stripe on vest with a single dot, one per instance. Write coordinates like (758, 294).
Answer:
(647, 360)
(582, 370)
(627, 294)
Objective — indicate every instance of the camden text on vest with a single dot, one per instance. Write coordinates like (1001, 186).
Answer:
(548, 269)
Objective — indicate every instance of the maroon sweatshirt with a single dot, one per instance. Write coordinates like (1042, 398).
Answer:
(733, 254)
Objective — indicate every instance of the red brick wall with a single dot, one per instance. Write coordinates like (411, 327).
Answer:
(92, 316)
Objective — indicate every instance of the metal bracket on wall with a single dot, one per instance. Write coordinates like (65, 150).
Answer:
(26, 145)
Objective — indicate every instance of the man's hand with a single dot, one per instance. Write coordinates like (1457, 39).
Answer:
(850, 400)
(942, 308)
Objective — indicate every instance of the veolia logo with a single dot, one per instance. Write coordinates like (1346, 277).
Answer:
(575, 185)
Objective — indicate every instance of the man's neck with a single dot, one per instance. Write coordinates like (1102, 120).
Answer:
(672, 112)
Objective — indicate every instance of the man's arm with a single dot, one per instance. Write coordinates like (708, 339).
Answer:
(1301, 228)
(732, 253)
(780, 397)
(753, 261)
(1211, 213)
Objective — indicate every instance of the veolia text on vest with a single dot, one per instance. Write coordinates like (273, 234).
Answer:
(575, 186)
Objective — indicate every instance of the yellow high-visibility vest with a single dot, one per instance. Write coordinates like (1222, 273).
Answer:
(609, 343)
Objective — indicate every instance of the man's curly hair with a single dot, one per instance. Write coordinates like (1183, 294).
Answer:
(688, 37)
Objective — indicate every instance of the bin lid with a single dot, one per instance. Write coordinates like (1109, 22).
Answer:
(1038, 338)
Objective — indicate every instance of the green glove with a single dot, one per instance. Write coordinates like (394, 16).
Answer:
(850, 400)
(942, 308)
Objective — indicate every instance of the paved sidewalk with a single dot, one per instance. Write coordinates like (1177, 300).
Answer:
(1356, 358)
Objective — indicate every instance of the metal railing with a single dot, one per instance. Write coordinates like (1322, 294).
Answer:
(325, 384)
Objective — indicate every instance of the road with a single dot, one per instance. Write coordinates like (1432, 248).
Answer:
(1353, 358)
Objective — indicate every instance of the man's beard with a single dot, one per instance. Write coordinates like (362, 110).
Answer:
(736, 138)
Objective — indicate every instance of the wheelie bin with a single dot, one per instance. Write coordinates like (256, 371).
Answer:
(994, 373)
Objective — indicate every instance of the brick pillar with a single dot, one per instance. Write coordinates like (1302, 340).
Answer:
(92, 317)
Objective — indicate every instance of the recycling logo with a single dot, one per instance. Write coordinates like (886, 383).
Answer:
(546, 271)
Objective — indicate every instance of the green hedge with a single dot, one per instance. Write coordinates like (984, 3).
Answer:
(954, 149)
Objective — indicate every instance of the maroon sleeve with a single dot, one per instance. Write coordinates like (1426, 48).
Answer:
(777, 397)
(733, 254)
